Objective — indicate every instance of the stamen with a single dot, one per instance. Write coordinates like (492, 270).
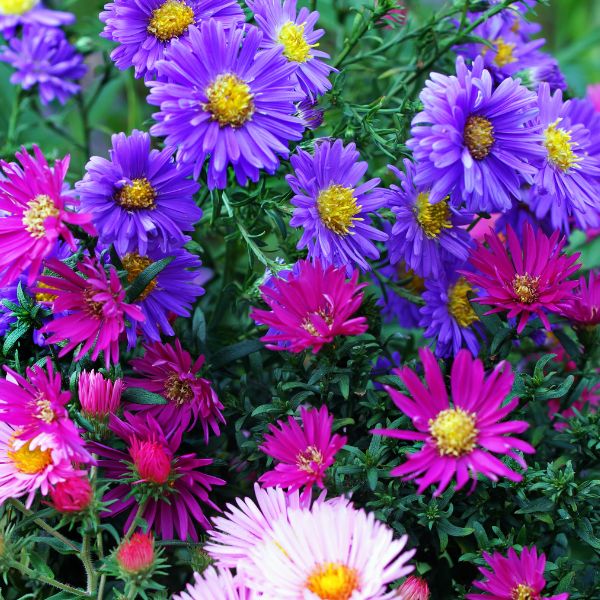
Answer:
(40, 208)
(337, 208)
(479, 136)
(171, 20)
(454, 431)
(230, 100)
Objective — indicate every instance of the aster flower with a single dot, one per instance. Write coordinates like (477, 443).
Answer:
(145, 30)
(309, 114)
(310, 308)
(236, 109)
(425, 236)
(29, 12)
(303, 453)
(99, 397)
(585, 307)
(139, 195)
(460, 437)
(473, 140)
(36, 209)
(136, 555)
(89, 308)
(172, 485)
(330, 551)
(333, 207)
(43, 57)
(525, 279)
(214, 584)
(169, 370)
(513, 576)
(294, 32)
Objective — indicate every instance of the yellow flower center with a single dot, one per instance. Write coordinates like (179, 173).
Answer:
(479, 136)
(16, 7)
(337, 208)
(139, 194)
(29, 461)
(523, 592)
(230, 100)
(560, 148)
(295, 46)
(415, 284)
(333, 581)
(504, 53)
(44, 296)
(178, 390)
(459, 305)
(454, 432)
(45, 412)
(135, 264)
(40, 208)
(171, 19)
(94, 308)
(305, 460)
(432, 217)
(525, 288)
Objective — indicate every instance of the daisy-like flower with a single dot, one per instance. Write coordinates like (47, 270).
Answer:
(145, 30)
(565, 185)
(27, 466)
(43, 57)
(99, 397)
(139, 195)
(149, 470)
(237, 109)
(426, 236)
(303, 453)
(29, 12)
(170, 371)
(310, 308)
(585, 307)
(524, 279)
(215, 584)
(89, 308)
(475, 141)
(36, 406)
(513, 576)
(333, 207)
(448, 316)
(330, 551)
(460, 437)
(36, 210)
(294, 32)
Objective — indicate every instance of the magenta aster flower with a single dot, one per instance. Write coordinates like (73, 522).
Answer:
(89, 309)
(310, 308)
(460, 437)
(304, 453)
(169, 370)
(99, 397)
(215, 584)
(584, 309)
(524, 279)
(514, 576)
(36, 210)
(150, 471)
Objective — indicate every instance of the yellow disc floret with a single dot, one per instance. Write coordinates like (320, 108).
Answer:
(523, 592)
(337, 208)
(454, 432)
(136, 195)
(459, 305)
(135, 264)
(526, 288)
(333, 581)
(432, 217)
(27, 460)
(40, 208)
(504, 53)
(230, 101)
(560, 147)
(309, 457)
(295, 46)
(479, 136)
(16, 7)
(170, 20)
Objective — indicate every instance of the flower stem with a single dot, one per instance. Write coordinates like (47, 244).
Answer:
(35, 576)
(11, 136)
(138, 514)
(86, 559)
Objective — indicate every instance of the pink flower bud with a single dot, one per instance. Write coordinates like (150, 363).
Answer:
(151, 459)
(99, 397)
(414, 588)
(72, 495)
(136, 555)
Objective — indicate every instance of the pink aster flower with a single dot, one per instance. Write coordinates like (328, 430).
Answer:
(304, 452)
(96, 309)
(215, 584)
(36, 406)
(585, 307)
(172, 485)
(169, 370)
(310, 307)
(460, 437)
(99, 397)
(35, 209)
(514, 576)
(329, 551)
(528, 279)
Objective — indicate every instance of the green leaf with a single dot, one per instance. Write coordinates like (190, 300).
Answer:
(13, 337)
(235, 352)
(142, 281)
(199, 325)
(142, 396)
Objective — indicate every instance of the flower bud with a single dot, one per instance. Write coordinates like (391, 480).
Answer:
(152, 460)
(99, 397)
(414, 588)
(136, 555)
(71, 495)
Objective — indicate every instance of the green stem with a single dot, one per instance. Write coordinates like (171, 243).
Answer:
(83, 111)
(11, 136)
(35, 576)
(313, 5)
(56, 129)
(138, 514)
(86, 559)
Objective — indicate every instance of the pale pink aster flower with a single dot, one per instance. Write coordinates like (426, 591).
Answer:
(215, 584)
(99, 397)
(304, 453)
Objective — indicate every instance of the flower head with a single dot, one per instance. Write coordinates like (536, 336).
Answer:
(513, 576)
(237, 109)
(139, 196)
(310, 308)
(585, 307)
(72, 495)
(136, 555)
(333, 207)
(460, 437)
(215, 584)
(29, 12)
(99, 397)
(524, 279)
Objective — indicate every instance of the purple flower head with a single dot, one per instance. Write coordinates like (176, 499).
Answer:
(235, 109)
(309, 114)
(294, 32)
(45, 58)
(333, 207)
(146, 29)
(139, 197)
(475, 141)
(29, 12)
(545, 69)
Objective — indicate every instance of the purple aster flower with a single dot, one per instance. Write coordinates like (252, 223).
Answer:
(238, 108)
(544, 70)
(45, 58)
(581, 110)
(294, 32)
(473, 140)
(29, 12)
(309, 114)
(333, 207)
(139, 195)
(565, 185)
(145, 29)
(425, 236)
